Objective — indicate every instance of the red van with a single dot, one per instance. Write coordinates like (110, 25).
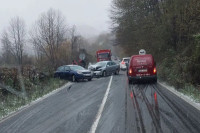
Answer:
(142, 67)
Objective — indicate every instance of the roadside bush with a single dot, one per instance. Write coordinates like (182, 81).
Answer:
(12, 102)
(27, 76)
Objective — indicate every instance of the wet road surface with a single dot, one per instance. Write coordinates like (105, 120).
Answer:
(139, 108)
(156, 110)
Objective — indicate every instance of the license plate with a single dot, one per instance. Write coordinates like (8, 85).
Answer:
(87, 75)
(142, 70)
(142, 75)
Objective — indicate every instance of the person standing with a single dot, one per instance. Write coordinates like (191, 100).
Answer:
(74, 62)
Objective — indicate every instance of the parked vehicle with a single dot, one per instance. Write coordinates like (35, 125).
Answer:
(73, 73)
(104, 68)
(142, 67)
(124, 63)
(103, 55)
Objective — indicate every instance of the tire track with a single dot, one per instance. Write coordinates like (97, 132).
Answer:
(188, 123)
(126, 89)
(131, 114)
(155, 119)
(142, 127)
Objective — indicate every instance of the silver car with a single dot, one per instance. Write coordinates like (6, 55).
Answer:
(124, 63)
(104, 68)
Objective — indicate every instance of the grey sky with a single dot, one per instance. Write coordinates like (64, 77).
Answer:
(93, 13)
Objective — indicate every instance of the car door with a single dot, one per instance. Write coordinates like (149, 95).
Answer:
(113, 67)
(61, 72)
(66, 73)
(58, 72)
(109, 68)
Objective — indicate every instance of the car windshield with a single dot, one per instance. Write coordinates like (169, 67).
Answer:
(126, 60)
(75, 68)
(101, 63)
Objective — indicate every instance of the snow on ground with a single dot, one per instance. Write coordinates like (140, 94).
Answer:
(18, 110)
(186, 98)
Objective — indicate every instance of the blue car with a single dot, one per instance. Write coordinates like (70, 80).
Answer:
(73, 73)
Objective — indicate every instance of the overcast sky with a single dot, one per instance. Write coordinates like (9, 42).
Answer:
(91, 13)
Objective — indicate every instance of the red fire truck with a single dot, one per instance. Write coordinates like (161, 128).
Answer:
(103, 55)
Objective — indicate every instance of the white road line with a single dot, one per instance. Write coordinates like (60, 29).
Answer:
(98, 116)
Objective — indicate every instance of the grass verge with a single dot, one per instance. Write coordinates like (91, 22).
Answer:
(10, 102)
(192, 92)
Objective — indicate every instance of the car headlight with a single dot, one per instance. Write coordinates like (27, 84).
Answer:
(79, 72)
(101, 68)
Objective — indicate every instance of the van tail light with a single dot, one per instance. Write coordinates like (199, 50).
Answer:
(123, 62)
(154, 70)
(130, 71)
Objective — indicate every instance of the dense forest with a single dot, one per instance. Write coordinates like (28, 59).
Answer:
(168, 29)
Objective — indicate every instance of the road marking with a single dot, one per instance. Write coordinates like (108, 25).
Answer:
(98, 116)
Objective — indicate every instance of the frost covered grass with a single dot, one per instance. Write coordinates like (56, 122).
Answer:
(192, 92)
(178, 78)
(11, 103)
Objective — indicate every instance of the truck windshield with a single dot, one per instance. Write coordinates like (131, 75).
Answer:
(103, 55)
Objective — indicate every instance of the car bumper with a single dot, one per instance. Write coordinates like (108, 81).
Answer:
(84, 76)
(143, 78)
(123, 67)
(97, 73)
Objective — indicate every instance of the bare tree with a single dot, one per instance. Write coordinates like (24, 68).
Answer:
(13, 40)
(48, 34)
(16, 32)
(6, 47)
(73, 37)
(76, 41)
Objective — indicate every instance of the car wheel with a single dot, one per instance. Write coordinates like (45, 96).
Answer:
(117, 72)
(130, 81)
(135, 82)
(155, 80)
(73, 78)
(104, 74)
(89, 79)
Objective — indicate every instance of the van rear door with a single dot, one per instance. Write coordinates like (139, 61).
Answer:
(142, 65)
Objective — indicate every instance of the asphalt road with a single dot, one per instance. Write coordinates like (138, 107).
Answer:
(141, 108)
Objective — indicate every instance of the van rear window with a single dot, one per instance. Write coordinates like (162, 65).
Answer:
(137, 61)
